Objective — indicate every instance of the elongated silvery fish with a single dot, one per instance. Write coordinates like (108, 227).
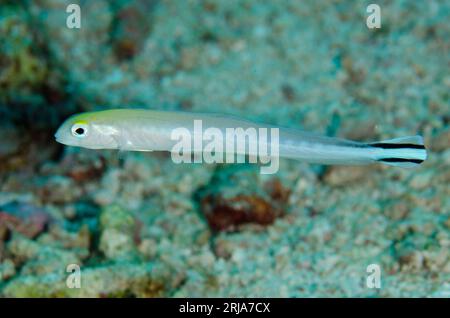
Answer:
(149, 130)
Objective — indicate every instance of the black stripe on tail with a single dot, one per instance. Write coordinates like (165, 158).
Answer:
(404, 152)
(396, 146)
(394, 160)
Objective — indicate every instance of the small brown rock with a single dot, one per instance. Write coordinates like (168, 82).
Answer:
(58, 190)
(412, 261)
(23, 218)
(277, 191)
(223, 213)
(82, 167)
(236, 196)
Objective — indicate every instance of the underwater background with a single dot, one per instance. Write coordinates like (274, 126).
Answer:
(139, 225)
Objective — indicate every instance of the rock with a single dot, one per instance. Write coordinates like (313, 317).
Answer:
(59, 190)
(277, 191)
(117, 245)
(115, 280)
(119, 233)
(23, 71)
(23, 218)
(7, 270)
(82, 166)
(236, 195)
(417, 250)
(117, 218)
(412, 261)
(223, 248)
(36, 258)
(148, 248)
(59, 237)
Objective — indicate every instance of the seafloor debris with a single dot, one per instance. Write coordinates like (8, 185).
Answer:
(59, 190)
(83, 166)
(24, 218)
(34, 258)
(116, 280)
(7, 270)
(420, 246)
(236, 195)
(119, 234)
(22, 70)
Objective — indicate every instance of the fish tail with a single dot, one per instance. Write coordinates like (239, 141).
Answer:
(405, 152)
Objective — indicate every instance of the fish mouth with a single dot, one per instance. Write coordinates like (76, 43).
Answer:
(65, 142)
(61, 140)
(58, 138)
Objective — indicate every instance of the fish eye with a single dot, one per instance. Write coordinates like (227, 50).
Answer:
(79, 130)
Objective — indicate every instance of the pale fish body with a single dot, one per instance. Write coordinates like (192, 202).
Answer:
(150, 130)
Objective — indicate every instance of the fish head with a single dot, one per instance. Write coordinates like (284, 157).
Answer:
(87, 130)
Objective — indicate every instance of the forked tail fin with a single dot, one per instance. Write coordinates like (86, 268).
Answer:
(406, 152)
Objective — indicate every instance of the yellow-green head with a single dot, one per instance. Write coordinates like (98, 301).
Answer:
(88, 130)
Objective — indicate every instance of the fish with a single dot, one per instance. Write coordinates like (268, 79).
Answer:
(152, 130)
